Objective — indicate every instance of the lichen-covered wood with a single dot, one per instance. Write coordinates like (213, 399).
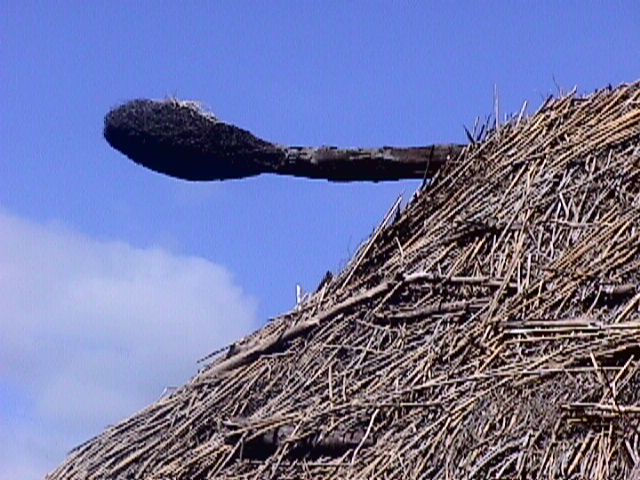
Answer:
(492, 331)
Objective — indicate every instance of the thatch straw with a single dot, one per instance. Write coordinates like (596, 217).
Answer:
(493, 331)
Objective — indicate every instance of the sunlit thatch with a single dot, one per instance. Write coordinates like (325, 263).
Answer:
(492, 331)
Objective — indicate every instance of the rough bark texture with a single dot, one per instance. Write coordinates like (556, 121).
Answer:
(362, 164)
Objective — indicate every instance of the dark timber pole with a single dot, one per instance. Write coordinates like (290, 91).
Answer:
(181, 140)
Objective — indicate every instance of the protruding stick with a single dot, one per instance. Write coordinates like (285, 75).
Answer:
(181, 140)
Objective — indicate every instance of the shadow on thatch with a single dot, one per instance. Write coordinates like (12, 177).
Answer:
(492, 331)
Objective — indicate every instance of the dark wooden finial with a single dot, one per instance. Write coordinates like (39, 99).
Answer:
(182, 140)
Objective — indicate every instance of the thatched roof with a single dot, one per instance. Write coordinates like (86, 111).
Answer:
(492, 331)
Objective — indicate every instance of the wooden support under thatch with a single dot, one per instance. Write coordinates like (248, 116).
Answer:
(259, 446)
(181, 140)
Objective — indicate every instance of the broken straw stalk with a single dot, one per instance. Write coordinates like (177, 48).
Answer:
(182, 140)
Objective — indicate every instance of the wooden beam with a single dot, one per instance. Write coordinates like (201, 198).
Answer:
(182, 140)
(265, 444)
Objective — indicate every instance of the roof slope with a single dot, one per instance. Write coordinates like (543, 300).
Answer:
(493, 330)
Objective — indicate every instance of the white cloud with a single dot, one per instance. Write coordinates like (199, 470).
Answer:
(91, 332)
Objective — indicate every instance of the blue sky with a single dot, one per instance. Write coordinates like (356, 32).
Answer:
(114, 280)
